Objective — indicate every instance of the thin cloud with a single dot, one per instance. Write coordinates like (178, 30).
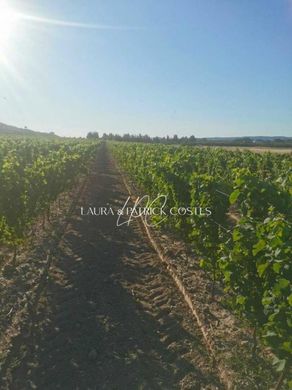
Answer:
(64, 23)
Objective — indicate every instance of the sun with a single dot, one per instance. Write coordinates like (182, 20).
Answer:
(8, 21)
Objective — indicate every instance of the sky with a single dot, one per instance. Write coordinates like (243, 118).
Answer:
(188, 67)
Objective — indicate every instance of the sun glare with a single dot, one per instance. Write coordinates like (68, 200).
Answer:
(8, 20)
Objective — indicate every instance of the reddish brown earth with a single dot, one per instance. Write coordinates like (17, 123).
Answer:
(107, 314)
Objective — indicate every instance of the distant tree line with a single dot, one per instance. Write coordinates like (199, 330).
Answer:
(192, 140)
(144, 138)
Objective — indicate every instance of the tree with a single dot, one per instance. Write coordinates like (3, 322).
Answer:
(92, 135)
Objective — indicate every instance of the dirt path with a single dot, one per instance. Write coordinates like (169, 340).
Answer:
(110, 316)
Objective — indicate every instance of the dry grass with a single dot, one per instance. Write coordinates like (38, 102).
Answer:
(256, 149)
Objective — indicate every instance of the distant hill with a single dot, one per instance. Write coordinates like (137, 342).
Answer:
(8, 130)
(263, 141)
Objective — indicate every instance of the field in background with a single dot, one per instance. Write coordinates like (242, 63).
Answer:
(255, 149)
